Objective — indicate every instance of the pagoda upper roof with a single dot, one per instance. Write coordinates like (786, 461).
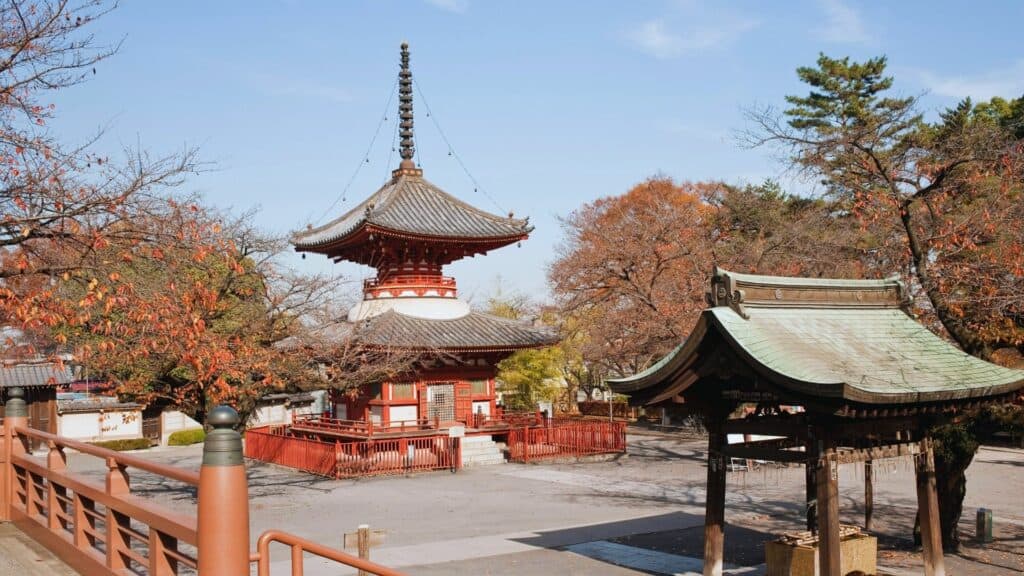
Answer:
(839, 340)
(410, 207)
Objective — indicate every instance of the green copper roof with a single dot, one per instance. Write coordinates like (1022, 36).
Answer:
(854, 343)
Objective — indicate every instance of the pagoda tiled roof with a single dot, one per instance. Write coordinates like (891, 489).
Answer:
(849, 340)
(475, 331)
(411, 206)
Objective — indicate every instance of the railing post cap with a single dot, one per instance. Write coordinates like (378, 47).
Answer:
(223, 417)
(223, 445)
(15, 406)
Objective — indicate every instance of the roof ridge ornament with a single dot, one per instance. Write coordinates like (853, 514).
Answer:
(405, 125)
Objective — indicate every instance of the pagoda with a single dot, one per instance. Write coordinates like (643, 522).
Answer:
(408, 230)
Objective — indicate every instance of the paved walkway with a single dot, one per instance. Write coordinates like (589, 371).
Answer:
(22, 556)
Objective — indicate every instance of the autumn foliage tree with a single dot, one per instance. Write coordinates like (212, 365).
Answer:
(162, 296)
(631, 274)
(631, 271)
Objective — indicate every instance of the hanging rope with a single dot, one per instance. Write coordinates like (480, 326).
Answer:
(451, 149)
(391, 155)
(365, 159)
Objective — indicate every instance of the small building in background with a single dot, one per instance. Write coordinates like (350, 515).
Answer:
(39, 379)
(98, 418)
(282, 408)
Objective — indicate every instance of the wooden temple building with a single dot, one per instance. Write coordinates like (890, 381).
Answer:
(868, 381)
(409, 230)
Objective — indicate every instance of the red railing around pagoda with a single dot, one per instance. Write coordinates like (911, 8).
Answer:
(419, 284)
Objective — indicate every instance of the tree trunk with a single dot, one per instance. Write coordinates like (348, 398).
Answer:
(967, 340)
(954, 452)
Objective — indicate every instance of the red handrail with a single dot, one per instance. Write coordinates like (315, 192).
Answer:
(301, 545)
(179, 474)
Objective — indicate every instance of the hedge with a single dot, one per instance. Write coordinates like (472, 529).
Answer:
(122, 445)
(186, 437)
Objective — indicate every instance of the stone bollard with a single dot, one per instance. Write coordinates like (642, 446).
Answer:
(15, 414)
(223, 499)
(984, 525)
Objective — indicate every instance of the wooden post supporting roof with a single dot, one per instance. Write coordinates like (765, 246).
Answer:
(869, 493)
(829, 563)
(811, 488)
(714, 511)
(928, 510)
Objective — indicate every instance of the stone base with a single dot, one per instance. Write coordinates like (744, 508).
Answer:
(858, 552)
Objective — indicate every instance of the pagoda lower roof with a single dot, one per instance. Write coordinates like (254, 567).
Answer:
(846, 340)
(412, 208)
(474, 332)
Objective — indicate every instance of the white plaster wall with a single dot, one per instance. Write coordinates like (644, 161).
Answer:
(173, 421)
(425, 307)
(79, 426)
(96, 426)
(399, 413)
(270, 414)
(482, 406)
(375, 414)
(341, 411)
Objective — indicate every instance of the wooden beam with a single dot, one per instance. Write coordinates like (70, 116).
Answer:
(849, 456)
(714, 511)
(928, 511)
(828, 514)
(768, 454)
(811, 483)
(791, 426)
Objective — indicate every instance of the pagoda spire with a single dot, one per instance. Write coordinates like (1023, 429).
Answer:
(405, 126)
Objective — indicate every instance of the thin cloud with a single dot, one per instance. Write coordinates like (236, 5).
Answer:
(657, 38)
(843, 24)
(456, 6)
(300, 88)
(1007, 82)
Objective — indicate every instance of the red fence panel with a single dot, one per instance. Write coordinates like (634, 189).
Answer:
(564, 439)
(271, 445)
(351, 459)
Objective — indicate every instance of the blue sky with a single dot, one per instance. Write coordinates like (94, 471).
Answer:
(550, 104)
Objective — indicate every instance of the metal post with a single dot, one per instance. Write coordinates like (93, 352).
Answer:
(223, 523)
(15, 414)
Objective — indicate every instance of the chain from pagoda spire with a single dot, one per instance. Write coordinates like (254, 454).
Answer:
(408, 148)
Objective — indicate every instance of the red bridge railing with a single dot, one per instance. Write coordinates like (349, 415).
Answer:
(104, 529)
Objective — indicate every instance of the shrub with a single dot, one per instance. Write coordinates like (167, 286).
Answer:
(122, 445)
(186, 437)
